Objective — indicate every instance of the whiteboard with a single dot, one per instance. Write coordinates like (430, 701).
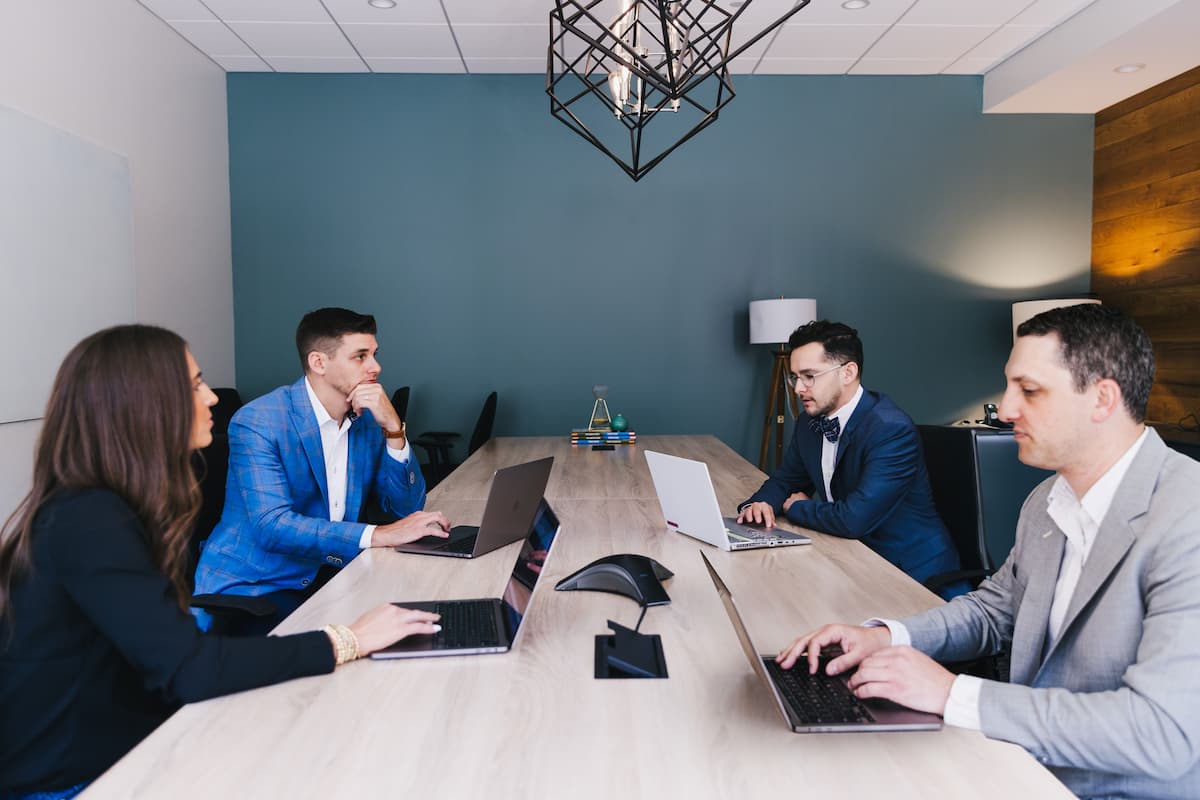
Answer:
(66, 253)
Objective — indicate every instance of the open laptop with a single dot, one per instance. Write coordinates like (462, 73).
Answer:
(511, 505)
(818, 703)
(690, 506)
(490, 625)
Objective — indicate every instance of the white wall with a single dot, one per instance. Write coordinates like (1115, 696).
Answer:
(110, 72)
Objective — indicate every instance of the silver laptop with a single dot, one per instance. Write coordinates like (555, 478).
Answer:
(690, 506)
(511, 505)
(490, 625)
(818, 703)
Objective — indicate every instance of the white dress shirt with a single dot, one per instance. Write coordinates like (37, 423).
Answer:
(829, 449)
(335, 446)
(1079, 520)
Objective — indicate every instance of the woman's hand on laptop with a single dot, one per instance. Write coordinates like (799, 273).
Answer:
(388, 624)
(856, 643)
(757, 514)
(416, 525)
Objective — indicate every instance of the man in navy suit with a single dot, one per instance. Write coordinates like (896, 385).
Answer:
(854, 467)
(303, 462)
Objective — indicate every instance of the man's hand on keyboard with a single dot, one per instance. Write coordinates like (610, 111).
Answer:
(855, 642)
(757, 514)
(905, 676)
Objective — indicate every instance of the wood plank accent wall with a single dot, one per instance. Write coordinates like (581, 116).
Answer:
(1146, 234)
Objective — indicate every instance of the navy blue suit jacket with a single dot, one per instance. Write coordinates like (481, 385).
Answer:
(275, 531)
(880, 488)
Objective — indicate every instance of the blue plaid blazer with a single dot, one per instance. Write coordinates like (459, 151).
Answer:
(275, 530)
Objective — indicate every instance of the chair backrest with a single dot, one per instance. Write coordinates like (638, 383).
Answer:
(1003, 484)
(950, 460)
(979, 485)
(228, 402)
(400, 402)
(483, 428)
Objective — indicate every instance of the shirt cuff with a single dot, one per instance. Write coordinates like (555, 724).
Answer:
(962, 706)
(900, 635)
(364, 541)
(400, 455)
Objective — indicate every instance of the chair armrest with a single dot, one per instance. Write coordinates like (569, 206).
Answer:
(232, 603)
(935, 582)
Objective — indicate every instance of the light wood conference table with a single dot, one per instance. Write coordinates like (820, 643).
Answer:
(534, 723)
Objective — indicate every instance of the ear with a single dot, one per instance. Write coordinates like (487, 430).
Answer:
(1108, 400)
(316, 362)
(849, 373)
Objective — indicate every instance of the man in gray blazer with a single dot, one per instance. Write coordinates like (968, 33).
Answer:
(1100, 597)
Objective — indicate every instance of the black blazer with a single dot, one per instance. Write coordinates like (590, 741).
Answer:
(95, 651)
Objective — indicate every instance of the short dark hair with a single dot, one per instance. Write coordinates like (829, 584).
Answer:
(840, 341)
(1099, 342)
(323, 329)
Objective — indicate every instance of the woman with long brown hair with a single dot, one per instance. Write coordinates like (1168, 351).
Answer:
(96, 644)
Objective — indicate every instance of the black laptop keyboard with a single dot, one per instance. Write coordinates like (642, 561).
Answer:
(466, 623)
(817, 699)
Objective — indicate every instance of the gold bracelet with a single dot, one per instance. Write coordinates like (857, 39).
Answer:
(345, 643)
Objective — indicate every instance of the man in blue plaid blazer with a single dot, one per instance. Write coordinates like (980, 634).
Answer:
(303, 462)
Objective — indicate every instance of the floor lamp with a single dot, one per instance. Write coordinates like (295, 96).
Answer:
(772, 322)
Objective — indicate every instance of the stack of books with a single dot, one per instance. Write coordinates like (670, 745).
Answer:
(583, 437)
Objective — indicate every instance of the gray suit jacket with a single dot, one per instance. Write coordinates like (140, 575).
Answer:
(1112, 706)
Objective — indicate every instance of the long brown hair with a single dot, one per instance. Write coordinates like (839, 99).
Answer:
(120, 417)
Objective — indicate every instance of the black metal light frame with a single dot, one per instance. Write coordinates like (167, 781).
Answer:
(694, 76)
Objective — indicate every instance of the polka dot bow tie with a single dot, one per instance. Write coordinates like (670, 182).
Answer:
(829, 428)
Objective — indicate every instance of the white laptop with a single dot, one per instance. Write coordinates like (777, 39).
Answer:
(690, 506)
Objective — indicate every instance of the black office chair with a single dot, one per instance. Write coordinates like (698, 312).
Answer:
(438, 444)
(211, 467)
(978, 486)
(954, 478)
(400, 402)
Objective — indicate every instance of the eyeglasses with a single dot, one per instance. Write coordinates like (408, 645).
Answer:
(807, 379)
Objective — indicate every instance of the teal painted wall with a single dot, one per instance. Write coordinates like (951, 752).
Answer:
(498, 250)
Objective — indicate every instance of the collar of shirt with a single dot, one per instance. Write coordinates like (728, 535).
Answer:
(829, 449)
(321, 414)
(1091, 509)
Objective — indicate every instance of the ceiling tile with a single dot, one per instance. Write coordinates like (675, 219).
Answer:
(242, 63)
(295, 39)
(969, 66)
(494, 12)
(830, 12)
(899, 66)
(824, 41)
(805, 66)
(408, 11)
(506, 65)
(1005, 42)
(213, 38)
(402, 41)
(269, 10)
(178, 9)
(502, 41)
(964, 12)
(1051, 12)
(928, 42)
(289, 64)
(420, 65)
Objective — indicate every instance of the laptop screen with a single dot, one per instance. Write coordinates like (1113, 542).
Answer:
(528, 569)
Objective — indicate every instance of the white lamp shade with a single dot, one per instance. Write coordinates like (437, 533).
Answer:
(772, 321)
(1031, 308)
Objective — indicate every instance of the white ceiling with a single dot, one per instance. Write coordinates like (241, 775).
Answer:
(1038, 55)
